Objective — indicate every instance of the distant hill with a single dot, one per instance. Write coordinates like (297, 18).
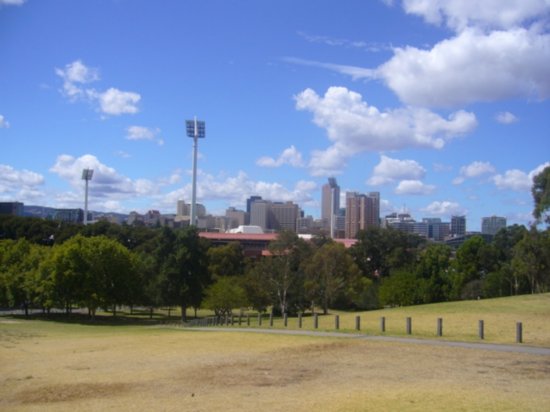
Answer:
(49, 212)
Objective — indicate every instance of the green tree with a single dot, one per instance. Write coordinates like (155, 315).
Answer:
(541, 195)
(532, 260)
(227, 260)
(224, 295)
(432, 268)
(400, 289)
(332, 274)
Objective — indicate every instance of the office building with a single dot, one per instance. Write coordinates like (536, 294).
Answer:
(284, 216)
(491, 225)
(458, 225)
(330, 204)
(259, 213)
(362, 212)
(236, 217)
(11, 208)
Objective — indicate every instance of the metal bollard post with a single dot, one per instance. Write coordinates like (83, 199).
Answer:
(383, 324)
(259, 319)
(271, 320)
(358, 322)
(285, 318)
(300, 321)
(409, 326)
(481, 330)
(439, 326)
(248, 319)
(337, 322)
(519, 332)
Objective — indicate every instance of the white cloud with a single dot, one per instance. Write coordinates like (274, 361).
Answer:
(389, 170)
(459, 14)
(4, 124)
(413, 187)
(11, 2)
(355, 72)
(236, 189)
(144, 133)
(106, 182)
(21, 185)
(289, 156)
(110, 102)
(506, 118)
(444, 208)
(353, 126)
(474, 169)
(518, 180)
(472, 67)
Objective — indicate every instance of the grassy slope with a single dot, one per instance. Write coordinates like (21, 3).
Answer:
(460, 320)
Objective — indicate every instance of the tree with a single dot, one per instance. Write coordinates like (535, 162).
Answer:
(227, 260)
(224, 295)
(432, 268)
(182, 262)
(532, 260)
(400, 289)
(332, 274)
(541, 195)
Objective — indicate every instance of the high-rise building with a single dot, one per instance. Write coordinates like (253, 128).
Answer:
(330, 204)
(184, 209)
(458, 225)
(11, 208)
(236, 217)
(362, 212)
(284, 216)
(491, 225)
(259, 213)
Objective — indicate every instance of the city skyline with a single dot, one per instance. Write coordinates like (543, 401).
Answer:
(430, 115)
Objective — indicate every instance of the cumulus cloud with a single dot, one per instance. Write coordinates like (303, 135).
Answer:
(144, 133)
(488, 14)
(236, 189)
(444, 208)
(19, 184)
(106, 183)
(389, 170)
(354, 126)
(4, 124)
(471, 67)
(413, 187)
(290, 156)
(506, 118)
(110, 102)
(518, 180)
(474, 169)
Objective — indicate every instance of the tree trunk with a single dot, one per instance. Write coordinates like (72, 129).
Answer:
(183, 312)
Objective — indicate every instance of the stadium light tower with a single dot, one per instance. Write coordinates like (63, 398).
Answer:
(87, 176)
(195, 129)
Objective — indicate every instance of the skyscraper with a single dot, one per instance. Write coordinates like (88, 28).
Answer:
(362, 212)
(330, 203)
(458, 225)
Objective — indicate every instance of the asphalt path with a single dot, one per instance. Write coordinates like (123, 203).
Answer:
(517, 348)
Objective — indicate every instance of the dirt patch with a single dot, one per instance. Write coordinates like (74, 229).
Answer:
(71, 392)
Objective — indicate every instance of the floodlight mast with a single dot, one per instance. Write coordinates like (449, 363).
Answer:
(86, 176)
(195, 129)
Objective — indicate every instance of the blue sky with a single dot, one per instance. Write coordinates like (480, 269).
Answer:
(442, 106)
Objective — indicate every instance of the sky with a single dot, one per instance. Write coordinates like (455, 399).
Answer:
(441, 106)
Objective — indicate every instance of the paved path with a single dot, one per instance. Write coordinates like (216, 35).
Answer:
(518, 348)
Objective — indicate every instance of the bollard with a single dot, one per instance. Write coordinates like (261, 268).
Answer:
(315, 320)
(285, 318)
(259, 319)
(383, 324)
(358, 322)
(248, 319)
(481, 331)
(519, 332)
(439, 326)
(337, 322)
(271, 320)
(300, 321)
(240, 319)
(409, 326)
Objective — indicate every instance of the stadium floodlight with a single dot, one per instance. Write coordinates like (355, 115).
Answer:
(86, 176)
(195, 129)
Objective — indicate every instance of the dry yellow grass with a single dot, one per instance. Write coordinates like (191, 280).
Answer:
(55, 367)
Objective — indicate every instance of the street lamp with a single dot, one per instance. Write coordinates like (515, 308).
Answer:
(195, 129)
(87, 176)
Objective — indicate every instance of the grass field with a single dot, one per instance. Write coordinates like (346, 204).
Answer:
(54, 366)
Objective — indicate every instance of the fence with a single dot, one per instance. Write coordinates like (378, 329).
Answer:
(261, 320)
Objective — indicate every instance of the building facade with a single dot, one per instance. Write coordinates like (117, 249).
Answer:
(491, 225)
(362, 212)
(458, 225)
(330, 204)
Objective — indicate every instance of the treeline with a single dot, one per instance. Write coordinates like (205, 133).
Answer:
(44, 264)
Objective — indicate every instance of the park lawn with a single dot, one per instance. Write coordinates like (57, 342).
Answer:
(51, 366)
(460, 320)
